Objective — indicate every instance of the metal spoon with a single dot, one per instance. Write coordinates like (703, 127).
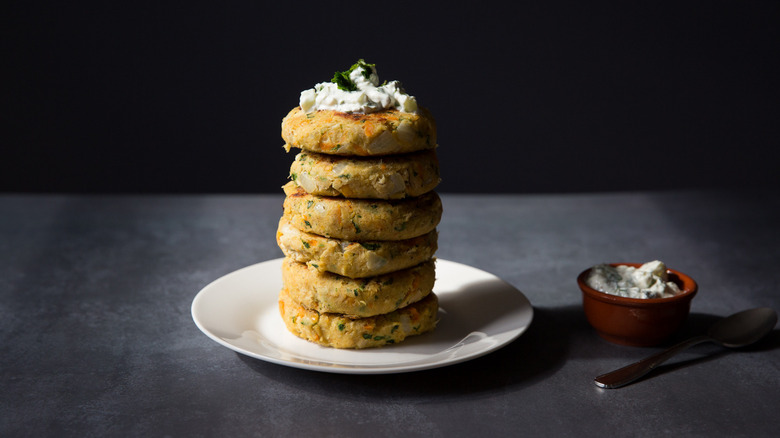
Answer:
(738, 330)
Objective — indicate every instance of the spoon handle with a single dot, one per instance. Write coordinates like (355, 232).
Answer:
(628, 374)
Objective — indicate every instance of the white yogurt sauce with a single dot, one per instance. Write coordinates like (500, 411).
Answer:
(369, 96)
(648, 281)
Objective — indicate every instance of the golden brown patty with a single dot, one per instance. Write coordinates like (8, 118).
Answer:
(361, 219)
(356, 297)
(335, 330)
(354, 259)
(381, 133)
(391, 177)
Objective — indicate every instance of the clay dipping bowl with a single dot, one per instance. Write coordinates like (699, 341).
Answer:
(640, 322)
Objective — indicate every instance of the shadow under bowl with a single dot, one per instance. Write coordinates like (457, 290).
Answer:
(636, 321)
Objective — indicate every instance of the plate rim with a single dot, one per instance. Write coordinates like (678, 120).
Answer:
(323, 366)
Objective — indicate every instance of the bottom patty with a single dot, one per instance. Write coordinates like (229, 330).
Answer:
(336, 330)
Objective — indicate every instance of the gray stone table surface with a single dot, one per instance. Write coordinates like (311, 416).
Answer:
(98, 339)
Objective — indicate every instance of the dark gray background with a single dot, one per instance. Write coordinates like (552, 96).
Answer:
(553, 96)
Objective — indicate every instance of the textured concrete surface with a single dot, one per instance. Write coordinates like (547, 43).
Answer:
(97, 338)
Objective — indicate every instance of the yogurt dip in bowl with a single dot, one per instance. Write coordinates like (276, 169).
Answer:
(636, 304)
(651, 280)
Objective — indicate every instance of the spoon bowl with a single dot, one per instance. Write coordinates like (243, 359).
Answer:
(743, 328)
(738, 330)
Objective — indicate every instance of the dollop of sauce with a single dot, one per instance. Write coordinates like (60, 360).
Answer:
(366, 95)
(647, 281)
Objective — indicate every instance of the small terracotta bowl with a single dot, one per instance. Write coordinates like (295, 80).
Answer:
(637, 321)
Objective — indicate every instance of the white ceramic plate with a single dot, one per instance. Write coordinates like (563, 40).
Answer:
(478, 313)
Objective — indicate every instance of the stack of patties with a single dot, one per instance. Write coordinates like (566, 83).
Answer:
(360, 216)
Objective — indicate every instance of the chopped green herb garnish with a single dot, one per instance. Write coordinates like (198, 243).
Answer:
(367, 336)
(367, 68)
(308, 224)
(308, 205)
(342, 80)
(305, 244)
(370, 246)
(341, 326)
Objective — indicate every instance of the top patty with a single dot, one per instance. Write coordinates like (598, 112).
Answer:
(381, 133)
